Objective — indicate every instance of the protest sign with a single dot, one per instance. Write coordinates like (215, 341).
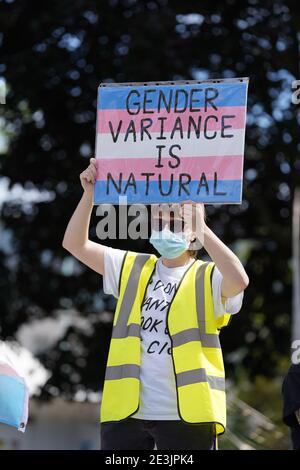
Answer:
(169, 142)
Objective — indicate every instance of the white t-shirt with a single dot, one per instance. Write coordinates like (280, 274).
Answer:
(158, 399)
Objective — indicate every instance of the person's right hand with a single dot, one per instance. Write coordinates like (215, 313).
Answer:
(88, 176)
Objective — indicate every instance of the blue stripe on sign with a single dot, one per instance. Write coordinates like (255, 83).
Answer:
(115, 97)
(12, 395)
(231, 188)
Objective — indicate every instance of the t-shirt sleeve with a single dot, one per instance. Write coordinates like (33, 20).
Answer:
(113, 260)
(224, 305)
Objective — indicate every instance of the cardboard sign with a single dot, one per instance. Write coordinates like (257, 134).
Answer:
(170, 142)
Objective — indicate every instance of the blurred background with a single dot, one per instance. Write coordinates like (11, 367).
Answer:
(54, 316)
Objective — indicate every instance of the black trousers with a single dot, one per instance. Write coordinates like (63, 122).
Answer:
(140, 434)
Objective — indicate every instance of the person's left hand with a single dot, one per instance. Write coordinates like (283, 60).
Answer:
(193, 214)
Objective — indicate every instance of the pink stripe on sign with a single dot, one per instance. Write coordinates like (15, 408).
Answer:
(8, 370)
(167, 121)
(227, 167)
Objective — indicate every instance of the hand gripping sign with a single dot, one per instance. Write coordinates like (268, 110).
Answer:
(169, 142)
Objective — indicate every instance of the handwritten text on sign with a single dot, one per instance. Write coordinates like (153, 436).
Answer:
(170, 143)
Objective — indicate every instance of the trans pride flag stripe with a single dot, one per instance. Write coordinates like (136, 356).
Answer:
(170, 143)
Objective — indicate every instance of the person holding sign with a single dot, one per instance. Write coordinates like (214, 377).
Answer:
(165, 379)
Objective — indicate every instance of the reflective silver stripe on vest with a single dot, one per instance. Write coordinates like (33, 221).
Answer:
(199, 375)
(121, 329)
(191, 334)
(195, 334)
(209, 340)
(124, 371)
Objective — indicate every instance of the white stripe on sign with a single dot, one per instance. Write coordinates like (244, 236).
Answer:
(193, 147)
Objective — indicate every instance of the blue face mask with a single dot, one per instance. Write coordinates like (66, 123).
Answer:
(168, 244)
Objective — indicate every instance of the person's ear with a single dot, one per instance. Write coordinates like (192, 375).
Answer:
(192, 237)
(195, 244)
(192, 242)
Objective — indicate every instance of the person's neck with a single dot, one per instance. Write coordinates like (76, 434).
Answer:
(176, 262)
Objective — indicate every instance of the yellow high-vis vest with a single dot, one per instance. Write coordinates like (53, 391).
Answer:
(196, 351)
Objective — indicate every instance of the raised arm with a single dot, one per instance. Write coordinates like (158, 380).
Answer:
(76, 238)
(235, 278)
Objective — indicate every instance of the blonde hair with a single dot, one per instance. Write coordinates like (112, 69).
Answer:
(193, 253)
